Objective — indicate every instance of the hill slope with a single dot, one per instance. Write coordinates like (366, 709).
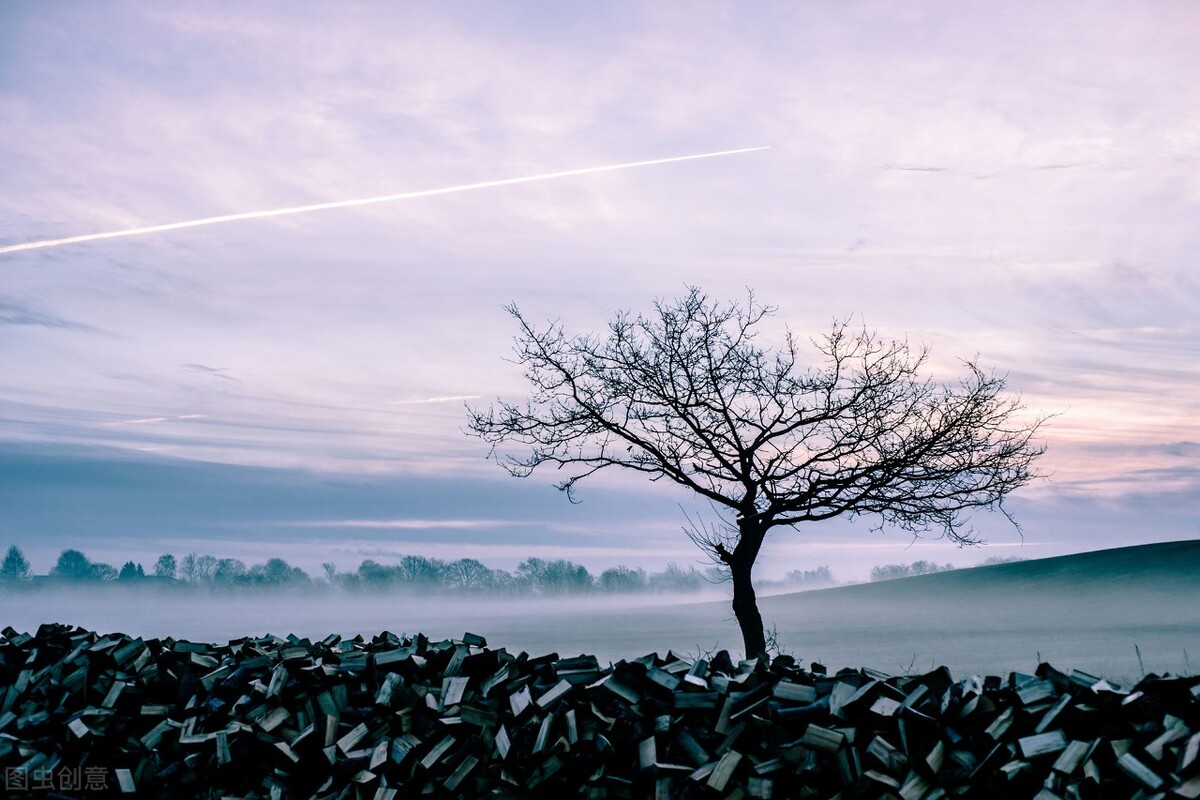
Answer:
(1159, 568)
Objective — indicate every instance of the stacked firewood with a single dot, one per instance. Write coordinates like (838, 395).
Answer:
(84, 714)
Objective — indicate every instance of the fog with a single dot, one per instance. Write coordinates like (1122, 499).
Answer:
(984, 621)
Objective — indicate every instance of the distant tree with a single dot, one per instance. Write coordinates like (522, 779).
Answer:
(330, 572)
(271, 573)
(419, 571)
(206, 566)
(104, 572)
(276, 572)
(372, 573)
(554, 577)
(887, 572)
(165, 566)
(821, 576)
(687, 394)
(187, 567)
(504, 582)
(130, 572)
(73, 565)
(992, 561)
(715, 573)
(467, 575)
(229, 571)
(623, 579)
(677, 579)
(14, 566)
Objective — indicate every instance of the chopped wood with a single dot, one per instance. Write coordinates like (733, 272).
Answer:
(1042, 744)
(723, 771)
(794, 692)
(1131, 766)
(1075, 754)
(554, 694)
(390, 716)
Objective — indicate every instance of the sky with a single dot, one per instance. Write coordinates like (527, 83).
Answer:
(1009, 181)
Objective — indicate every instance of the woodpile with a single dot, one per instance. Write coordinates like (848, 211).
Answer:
(84, 714)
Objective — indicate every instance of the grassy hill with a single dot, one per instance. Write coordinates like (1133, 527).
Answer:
(1087, 610)
(1162, 567)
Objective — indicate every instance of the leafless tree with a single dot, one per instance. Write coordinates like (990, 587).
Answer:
(689, 395)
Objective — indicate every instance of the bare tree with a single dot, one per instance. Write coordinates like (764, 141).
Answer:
(206, 565)
(687, 394)
(188, 569)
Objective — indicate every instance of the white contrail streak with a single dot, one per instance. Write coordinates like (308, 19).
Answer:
(387, 198)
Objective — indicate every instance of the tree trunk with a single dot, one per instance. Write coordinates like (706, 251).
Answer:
(745, 608)
(745, 602)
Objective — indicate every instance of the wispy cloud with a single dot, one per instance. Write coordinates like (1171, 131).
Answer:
(336, 341)
(404, 524)
(215, 372)
(444, 399)
(13, 313)
(154, 420)
(915, 168)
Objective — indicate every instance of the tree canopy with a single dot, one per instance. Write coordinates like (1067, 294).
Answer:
(15, 567)
(688, 394)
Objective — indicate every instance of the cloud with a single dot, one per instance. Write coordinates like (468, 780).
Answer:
(154, 420)
(1071, 268)
(14, 313)
(403, 524)
(445, 399)
(214, 372)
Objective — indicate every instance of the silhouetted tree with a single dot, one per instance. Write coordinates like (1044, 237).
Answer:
(372, 573)
(206, 566)
(992, 561)
(187, 567)
(420, 571)
(623, 579)
(821, 576)
(887, 572)
(14, 567)
(554, 577)
(467, 575)
(104, 572)
(229, 571)
(165, 566)
(73, 565)
(677, 579)
(130, 572)
(276, 572)
(688, 395)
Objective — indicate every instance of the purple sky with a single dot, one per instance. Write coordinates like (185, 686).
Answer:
(1007, 180)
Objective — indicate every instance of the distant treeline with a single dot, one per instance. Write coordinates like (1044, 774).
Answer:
(533, 576)
(887, 572)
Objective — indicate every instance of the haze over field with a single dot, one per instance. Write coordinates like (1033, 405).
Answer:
(1078, 612)
(1005, 180)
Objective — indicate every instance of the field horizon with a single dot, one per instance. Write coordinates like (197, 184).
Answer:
(1120, 612)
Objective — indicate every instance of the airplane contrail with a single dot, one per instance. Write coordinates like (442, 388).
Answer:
(363, 201)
